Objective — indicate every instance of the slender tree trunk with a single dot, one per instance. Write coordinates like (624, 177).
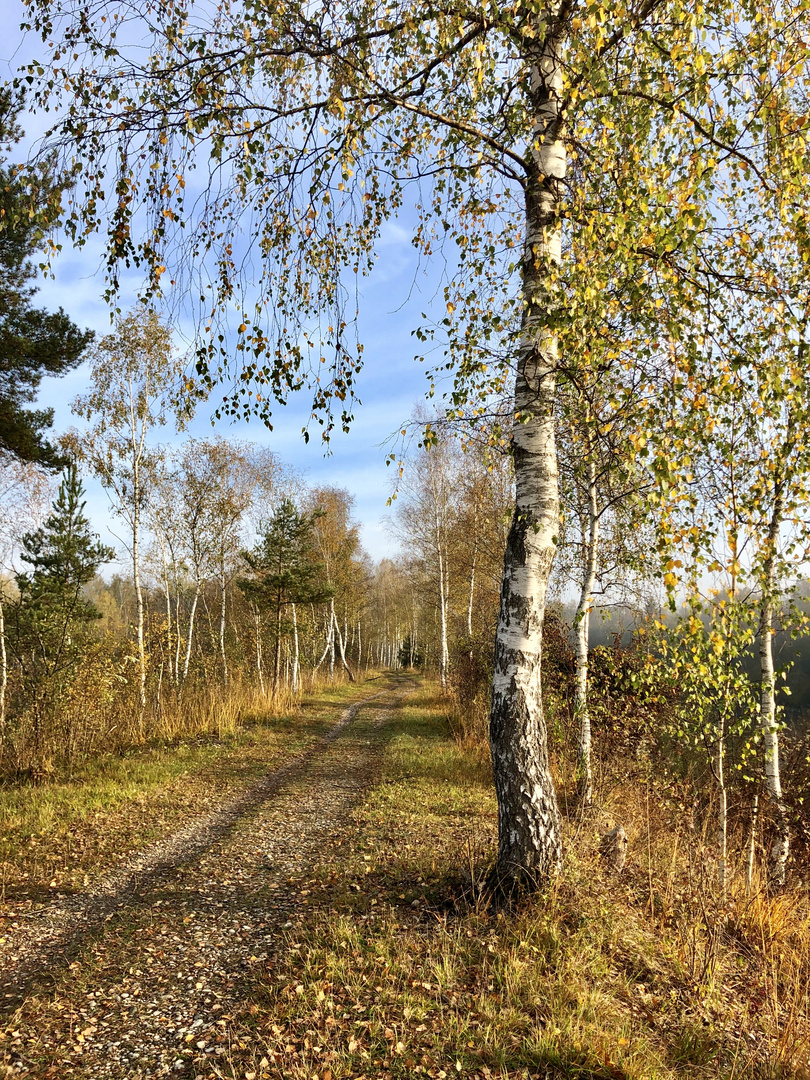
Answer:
(343, 661)
(529, 828)
(177, 632)
(777, 870)
(296, 661)
(169, 648)
(329, 645)
(722, 816)
(445, 653)
(222, 613)
(472, 575)
(136, 578)
(191, 617)
(582, 622)
(752, 843)
(277, 652)
(257, 617)
(212, 635)
(168, 593)
(3, 674)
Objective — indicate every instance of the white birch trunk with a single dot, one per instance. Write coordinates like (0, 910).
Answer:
(722, 816)
(296, 655)
(529, 827)
(177, 624)
(472, 572)
(168, 594)
(582, 622)
(443, 663)
(259, 671)
(339, 635)
(777, 871)
(472, 594)
(136, 578)
(222, 612)
(3, 673)
(329, 644)
(752, 843)
(191, 617)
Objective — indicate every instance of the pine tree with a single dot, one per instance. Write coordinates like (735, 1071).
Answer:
(51, 613)
(64, 556)
(33, 342)
(285, 570)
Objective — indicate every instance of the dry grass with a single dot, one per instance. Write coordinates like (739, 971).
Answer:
(399, 963)
(100, 713)
(406, 967)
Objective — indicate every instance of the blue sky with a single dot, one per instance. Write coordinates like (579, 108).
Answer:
(389, 386)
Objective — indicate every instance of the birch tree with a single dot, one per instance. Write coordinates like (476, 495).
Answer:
(426, 512)
(134, 372)
(336, 539)
(214, 483)
(561, 149)
(606, 541)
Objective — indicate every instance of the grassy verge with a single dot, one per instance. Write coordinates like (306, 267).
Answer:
(399, 967)
(54, 836)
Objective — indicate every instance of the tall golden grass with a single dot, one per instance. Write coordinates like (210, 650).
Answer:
(95, 715)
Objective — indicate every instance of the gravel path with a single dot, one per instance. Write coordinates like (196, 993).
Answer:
(134, 977)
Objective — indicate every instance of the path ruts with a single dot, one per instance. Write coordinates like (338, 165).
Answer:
(202, 906)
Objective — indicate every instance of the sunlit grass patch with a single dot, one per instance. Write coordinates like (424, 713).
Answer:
(401, 971)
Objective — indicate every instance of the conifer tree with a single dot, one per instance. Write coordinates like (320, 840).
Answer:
(52, 609)
(285, 570)
(33, 342)
(64, 556)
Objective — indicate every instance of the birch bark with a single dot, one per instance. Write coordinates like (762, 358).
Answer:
(770, 733)
(137, 430)
(529, 840)
(191, 618)
(296, 655)
(223, 585)
(341, 646)
(259, 672)
(582, 622)
(722, 814)
(443, 592)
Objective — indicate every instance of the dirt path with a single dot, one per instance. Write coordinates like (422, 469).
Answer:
(133, 978)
